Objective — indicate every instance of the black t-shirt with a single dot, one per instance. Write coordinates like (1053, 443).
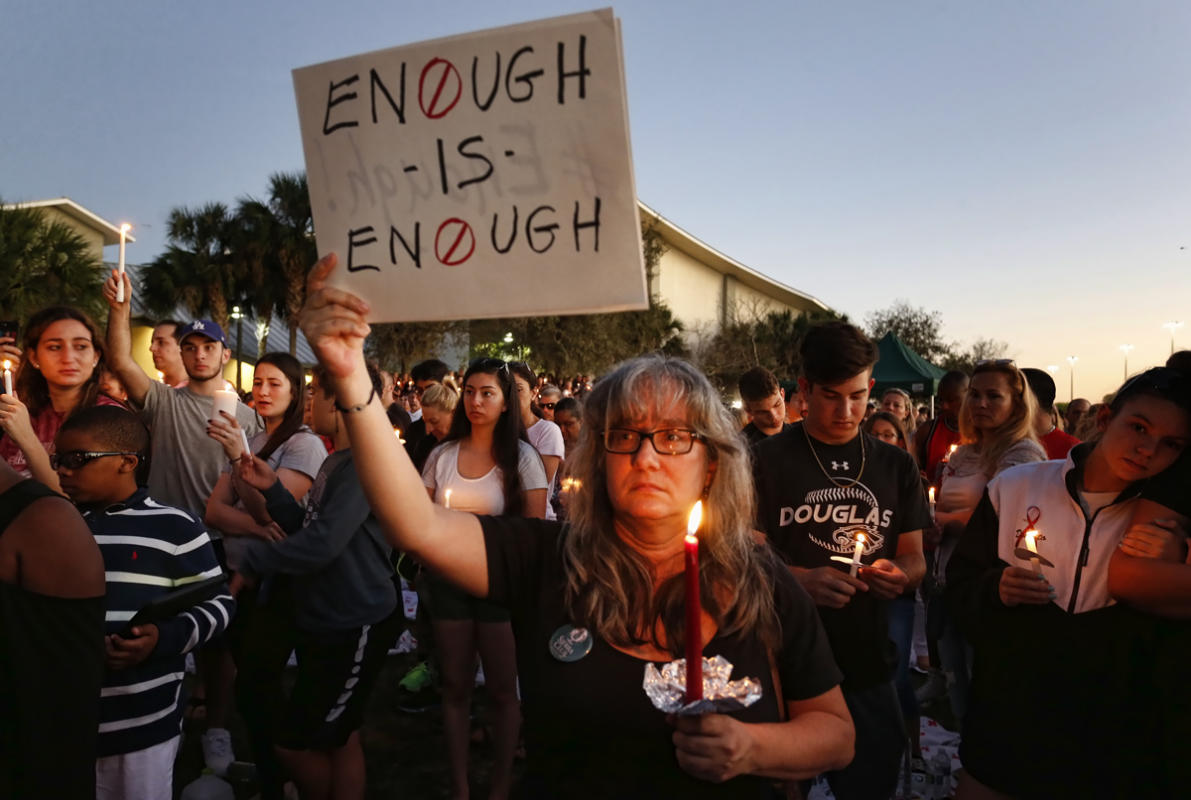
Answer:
(755, 435)
(51, 671)
(590, 730)
(809, 519)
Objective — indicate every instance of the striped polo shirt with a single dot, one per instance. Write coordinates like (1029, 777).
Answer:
(150, 549)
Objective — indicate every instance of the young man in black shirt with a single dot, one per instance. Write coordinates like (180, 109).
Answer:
(822, 488)
(761, 397)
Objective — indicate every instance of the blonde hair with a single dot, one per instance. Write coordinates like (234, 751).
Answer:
(441, 396)
(609, 585)
(992, 445)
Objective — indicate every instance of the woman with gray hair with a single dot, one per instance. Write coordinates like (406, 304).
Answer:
(595, 600)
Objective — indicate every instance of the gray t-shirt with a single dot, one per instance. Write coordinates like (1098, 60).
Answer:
(185, 461)
(303, 452)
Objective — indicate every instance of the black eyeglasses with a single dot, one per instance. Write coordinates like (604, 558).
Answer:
(75, 459)
(666, 442)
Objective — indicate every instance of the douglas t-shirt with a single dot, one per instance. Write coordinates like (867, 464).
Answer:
(874, 489)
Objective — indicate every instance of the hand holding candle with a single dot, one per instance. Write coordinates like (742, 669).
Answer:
(856, 554)
(694, 632)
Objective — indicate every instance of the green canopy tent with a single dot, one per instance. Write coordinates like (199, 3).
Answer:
(902, 368)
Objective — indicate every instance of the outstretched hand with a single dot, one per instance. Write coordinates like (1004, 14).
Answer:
(333, 321)
(255, 472)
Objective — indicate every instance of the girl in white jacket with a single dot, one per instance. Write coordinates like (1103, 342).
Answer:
(1060, 669)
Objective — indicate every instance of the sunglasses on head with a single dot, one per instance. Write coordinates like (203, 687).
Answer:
(76, 459)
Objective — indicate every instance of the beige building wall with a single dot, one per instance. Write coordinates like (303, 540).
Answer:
(93, 238)
(691, 289)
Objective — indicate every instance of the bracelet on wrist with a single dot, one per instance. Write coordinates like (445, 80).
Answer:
(356, 408)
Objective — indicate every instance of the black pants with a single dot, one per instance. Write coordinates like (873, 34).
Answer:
(880, 744)
(261, 645)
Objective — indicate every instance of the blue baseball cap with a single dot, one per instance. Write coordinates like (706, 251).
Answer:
(203, 327)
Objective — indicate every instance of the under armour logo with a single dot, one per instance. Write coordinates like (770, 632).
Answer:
(198, 325)
(837, 465)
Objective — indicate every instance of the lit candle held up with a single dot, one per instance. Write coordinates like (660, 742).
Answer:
(7, 377)
(160, 376)
(931, 497)
(950, 453)
(856, 554)
(397, 431)
(124, 228)
(447, 498)
(694, 630)
(1032, 546)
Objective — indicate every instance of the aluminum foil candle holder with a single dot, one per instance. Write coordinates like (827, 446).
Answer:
(666, 688)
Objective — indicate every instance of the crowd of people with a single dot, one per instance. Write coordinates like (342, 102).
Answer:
(1040, 577)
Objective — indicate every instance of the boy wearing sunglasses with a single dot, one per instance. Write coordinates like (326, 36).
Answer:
(148, 550)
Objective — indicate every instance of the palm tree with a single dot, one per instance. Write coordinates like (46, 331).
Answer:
(197, 268)
(45, 263)
(278, 248)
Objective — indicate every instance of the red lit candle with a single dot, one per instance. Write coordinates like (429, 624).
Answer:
(694, 629)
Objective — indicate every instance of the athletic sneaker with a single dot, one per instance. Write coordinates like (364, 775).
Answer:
(217, 750)
(934, 687)
(416, 692)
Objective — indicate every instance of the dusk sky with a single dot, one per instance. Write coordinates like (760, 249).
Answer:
(1022, 167)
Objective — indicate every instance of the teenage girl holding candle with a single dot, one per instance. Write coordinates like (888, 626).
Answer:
(594, 601)
(59, 372)
(488, 468)
(1059, 665)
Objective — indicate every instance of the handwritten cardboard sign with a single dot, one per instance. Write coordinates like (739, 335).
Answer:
(482, 175)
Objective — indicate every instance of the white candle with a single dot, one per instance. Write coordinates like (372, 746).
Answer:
(244, 441)
(120, 268)
(224, 400)
(447, 498)
(856, 554)
(7, 377)
(1031, 535)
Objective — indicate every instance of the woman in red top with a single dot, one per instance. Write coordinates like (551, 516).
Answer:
(59, 373)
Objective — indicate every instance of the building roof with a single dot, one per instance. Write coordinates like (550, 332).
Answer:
(64, 205)
(706, 254)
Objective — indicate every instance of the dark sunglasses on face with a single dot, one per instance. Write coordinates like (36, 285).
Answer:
(549, 405)
(77, 459)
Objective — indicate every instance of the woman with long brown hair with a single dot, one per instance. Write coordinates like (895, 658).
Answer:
(58, 374)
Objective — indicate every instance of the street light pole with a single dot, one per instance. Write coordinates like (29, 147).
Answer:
(1125, 348)
(238, 316)
(1071, 387)
(1172, 327)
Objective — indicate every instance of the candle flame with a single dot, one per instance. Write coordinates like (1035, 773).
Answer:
(7, 364)
(932, 494)
(954, 447)
(860, 538)
(1031, 535)
(692, 523)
